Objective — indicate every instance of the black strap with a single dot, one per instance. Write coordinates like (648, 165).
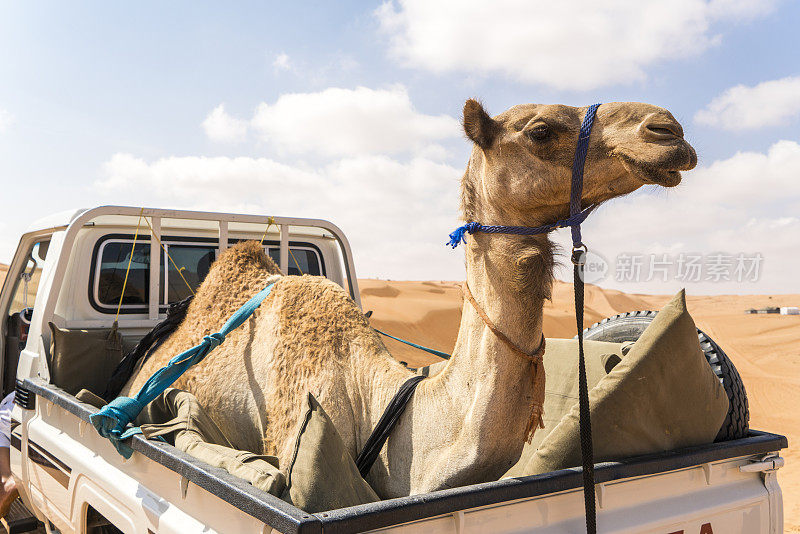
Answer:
(381, 432)
(587, 450)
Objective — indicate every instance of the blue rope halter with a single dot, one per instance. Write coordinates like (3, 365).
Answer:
(576, 215)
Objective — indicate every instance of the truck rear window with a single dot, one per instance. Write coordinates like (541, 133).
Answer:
(194, 262)
(115, 257)
(193, 259)
(301, 261)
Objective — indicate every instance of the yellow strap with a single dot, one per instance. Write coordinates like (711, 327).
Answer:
(128, 269)
(271, 221)
(153, 233)
(295, 261)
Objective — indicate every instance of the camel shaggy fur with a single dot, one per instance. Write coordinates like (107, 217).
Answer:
(468, 423)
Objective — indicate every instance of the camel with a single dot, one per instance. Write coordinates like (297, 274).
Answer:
(468, 423)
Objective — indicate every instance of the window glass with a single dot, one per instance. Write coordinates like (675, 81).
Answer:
(192, 259)
(28, 283)
(114, 260)
(304, 258)
(194, 262)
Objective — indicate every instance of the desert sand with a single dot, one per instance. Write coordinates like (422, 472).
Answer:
(764, 348)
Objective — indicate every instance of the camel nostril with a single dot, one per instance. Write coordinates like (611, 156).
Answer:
(658, 130)
(664, 130)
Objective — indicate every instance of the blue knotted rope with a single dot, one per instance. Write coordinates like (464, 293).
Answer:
(112, 420)
(576, 215)
(411, 344)
(576, 189)
(459, 235)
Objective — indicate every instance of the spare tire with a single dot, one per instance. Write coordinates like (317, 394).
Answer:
(629, 326)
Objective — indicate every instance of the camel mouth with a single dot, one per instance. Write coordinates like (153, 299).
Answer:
(665, 174)
(664, 178)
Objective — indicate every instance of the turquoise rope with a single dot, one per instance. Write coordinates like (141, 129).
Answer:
(420, 347)
(112, 420)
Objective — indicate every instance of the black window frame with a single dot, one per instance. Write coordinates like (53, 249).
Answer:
(139, 309)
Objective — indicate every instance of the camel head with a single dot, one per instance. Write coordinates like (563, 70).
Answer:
(521, 164)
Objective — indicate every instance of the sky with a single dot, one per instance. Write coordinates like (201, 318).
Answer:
(350, 111)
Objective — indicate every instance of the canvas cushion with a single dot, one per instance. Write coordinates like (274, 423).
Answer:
(561, 387)
(193, 431)
(177, 417)
(87, 397)
(83, 358)
(662, 395)
(322, 474)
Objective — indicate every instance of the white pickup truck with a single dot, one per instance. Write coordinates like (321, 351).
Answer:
(68, 270)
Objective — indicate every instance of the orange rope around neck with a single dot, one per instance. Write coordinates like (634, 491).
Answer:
(537, 367)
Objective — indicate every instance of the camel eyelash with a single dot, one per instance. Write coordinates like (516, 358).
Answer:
(539, 132)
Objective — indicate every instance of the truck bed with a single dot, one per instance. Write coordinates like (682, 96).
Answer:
(452, 503)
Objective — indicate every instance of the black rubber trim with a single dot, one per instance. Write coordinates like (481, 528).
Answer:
(288, 519)
(23, 397)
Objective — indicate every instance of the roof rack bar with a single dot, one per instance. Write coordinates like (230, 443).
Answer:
(154, 298)
(223, 236)
(284, 250)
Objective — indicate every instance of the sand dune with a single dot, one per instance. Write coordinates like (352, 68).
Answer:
(764, 348)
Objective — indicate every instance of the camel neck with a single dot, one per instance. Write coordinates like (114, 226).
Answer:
(510, 277)
(487, 388)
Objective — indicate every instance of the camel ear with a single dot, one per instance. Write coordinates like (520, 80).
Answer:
(478, 125)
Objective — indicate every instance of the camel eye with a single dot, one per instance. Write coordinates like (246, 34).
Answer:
(539, 132)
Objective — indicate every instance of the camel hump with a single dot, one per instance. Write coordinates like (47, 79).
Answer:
(246, 256)
(239, 273)
(318, 311)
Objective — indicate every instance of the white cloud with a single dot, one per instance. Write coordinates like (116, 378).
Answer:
(748, 203)
(770, 103)
(583, 44)
(740, 8)
(343, 122)
(322, 70)
(282, 62)
(6, 120)
(396, 215)
(219, 126)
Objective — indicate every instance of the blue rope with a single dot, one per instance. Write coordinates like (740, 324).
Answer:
(459, 234)
(576, 215)
(111, 421)
(578, 164)
(420, 347)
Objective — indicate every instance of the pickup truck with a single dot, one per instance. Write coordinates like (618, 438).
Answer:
(68, 269)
